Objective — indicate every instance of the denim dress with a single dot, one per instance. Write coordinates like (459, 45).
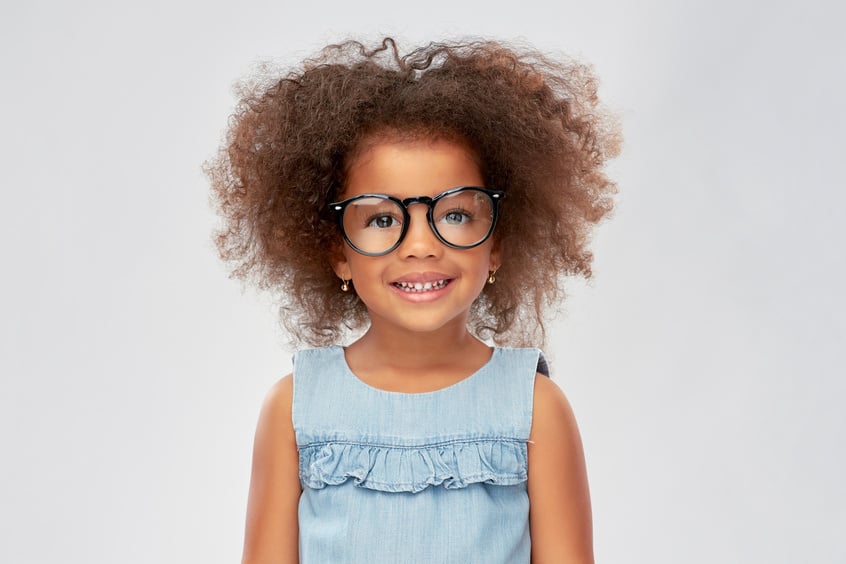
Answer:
(430, 478)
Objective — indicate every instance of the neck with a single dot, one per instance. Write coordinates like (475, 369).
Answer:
(408, 352)
(421, 348)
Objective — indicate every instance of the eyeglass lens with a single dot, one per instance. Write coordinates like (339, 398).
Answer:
(463, 219)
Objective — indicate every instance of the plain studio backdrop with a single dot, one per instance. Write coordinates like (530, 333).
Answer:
(704, 360)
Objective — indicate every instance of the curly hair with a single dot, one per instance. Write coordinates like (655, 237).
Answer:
(535, 123)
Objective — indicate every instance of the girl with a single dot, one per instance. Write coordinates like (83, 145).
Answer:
(421, 202)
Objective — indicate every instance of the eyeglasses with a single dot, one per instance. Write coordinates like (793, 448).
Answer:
(376, 224)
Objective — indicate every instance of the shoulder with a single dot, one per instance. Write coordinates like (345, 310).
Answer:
(275, 425)
(316, 367)
(525, 362)
(317, 354)
(279, 399)
(551, 410)
(554, 438)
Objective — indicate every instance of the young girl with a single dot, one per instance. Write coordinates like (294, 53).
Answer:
(422, 202)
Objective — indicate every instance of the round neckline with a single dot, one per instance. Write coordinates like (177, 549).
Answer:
(342, 352)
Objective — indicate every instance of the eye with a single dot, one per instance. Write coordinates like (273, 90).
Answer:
(382, 221)
(456, 217)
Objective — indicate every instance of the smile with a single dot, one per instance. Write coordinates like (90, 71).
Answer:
(419, 287)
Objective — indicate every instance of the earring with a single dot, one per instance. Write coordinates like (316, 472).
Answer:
(345, 287)
(491, 277)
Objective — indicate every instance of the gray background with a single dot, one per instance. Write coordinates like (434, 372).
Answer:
(704, 361)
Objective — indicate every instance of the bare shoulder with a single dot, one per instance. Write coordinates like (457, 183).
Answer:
(559, 513)
(552, 412)
(278, 402)
(275, 427)
(275, 437)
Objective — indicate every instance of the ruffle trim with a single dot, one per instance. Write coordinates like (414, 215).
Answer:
(452, 465)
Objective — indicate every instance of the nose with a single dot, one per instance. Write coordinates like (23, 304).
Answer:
(419, 241)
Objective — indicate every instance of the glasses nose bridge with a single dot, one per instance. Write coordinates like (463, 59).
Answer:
(425, 200)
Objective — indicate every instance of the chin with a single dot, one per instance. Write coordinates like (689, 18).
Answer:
(431, 327)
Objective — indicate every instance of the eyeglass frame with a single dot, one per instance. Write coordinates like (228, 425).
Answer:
(495, 196)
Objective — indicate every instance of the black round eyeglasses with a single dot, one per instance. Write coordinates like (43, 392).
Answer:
(376, 224)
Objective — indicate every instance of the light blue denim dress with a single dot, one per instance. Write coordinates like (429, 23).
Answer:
(429, 478)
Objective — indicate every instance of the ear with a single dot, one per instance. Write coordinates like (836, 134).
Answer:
(339, 263)
(495, 260)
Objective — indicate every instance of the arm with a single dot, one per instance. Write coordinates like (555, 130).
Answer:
(559, 501)
(272, 533)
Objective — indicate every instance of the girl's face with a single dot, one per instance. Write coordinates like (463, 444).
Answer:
(422, 285)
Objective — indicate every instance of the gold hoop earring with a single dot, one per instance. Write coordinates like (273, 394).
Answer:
(345, 287)
(491, 277)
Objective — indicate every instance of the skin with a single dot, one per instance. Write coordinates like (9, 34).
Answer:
(396, 355)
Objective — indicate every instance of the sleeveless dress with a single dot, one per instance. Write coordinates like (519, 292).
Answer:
(431, 478)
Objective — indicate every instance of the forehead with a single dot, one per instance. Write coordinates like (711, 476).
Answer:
(404, 168)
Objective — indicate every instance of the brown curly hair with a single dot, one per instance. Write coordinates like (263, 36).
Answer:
(535, 124)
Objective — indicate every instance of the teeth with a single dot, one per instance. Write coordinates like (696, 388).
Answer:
(420, 286)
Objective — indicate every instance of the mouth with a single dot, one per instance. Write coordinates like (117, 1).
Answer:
(421, 287)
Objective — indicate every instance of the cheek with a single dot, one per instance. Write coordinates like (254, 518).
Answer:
(361, 268)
